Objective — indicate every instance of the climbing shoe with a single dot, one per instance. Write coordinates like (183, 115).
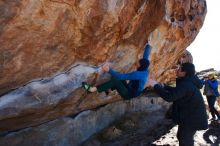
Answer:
(86, 86)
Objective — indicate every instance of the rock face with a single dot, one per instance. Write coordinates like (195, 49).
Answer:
(72, 131)
(42, 38)
(49, 47)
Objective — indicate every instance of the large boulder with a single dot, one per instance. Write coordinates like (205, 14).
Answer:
(49, 47)
(73, 130)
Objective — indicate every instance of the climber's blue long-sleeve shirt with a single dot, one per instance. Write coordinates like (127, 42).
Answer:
(146, 51)
(141, 76)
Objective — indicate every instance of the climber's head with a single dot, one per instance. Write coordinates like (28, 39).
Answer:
(143, 64)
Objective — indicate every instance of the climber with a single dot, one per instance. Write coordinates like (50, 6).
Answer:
(188, 104)
(137, 79)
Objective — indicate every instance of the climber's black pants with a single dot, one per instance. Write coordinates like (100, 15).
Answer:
(116, 84)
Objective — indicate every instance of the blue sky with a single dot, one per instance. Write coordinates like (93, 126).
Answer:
(206, 47)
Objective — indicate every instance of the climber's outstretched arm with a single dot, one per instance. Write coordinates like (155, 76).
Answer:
(147, 51)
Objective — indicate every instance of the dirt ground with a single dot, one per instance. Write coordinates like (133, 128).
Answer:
(138, 129)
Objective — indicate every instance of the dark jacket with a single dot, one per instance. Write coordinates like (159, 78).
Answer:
(188, 105)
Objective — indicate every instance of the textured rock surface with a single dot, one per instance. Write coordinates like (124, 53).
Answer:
(42, 38)
(134, 129)
(49, 47)
(73, 131)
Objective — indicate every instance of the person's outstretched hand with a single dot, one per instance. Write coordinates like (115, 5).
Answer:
(105, 67)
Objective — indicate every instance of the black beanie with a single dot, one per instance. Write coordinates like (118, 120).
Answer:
(144, 64)
(189, 68)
